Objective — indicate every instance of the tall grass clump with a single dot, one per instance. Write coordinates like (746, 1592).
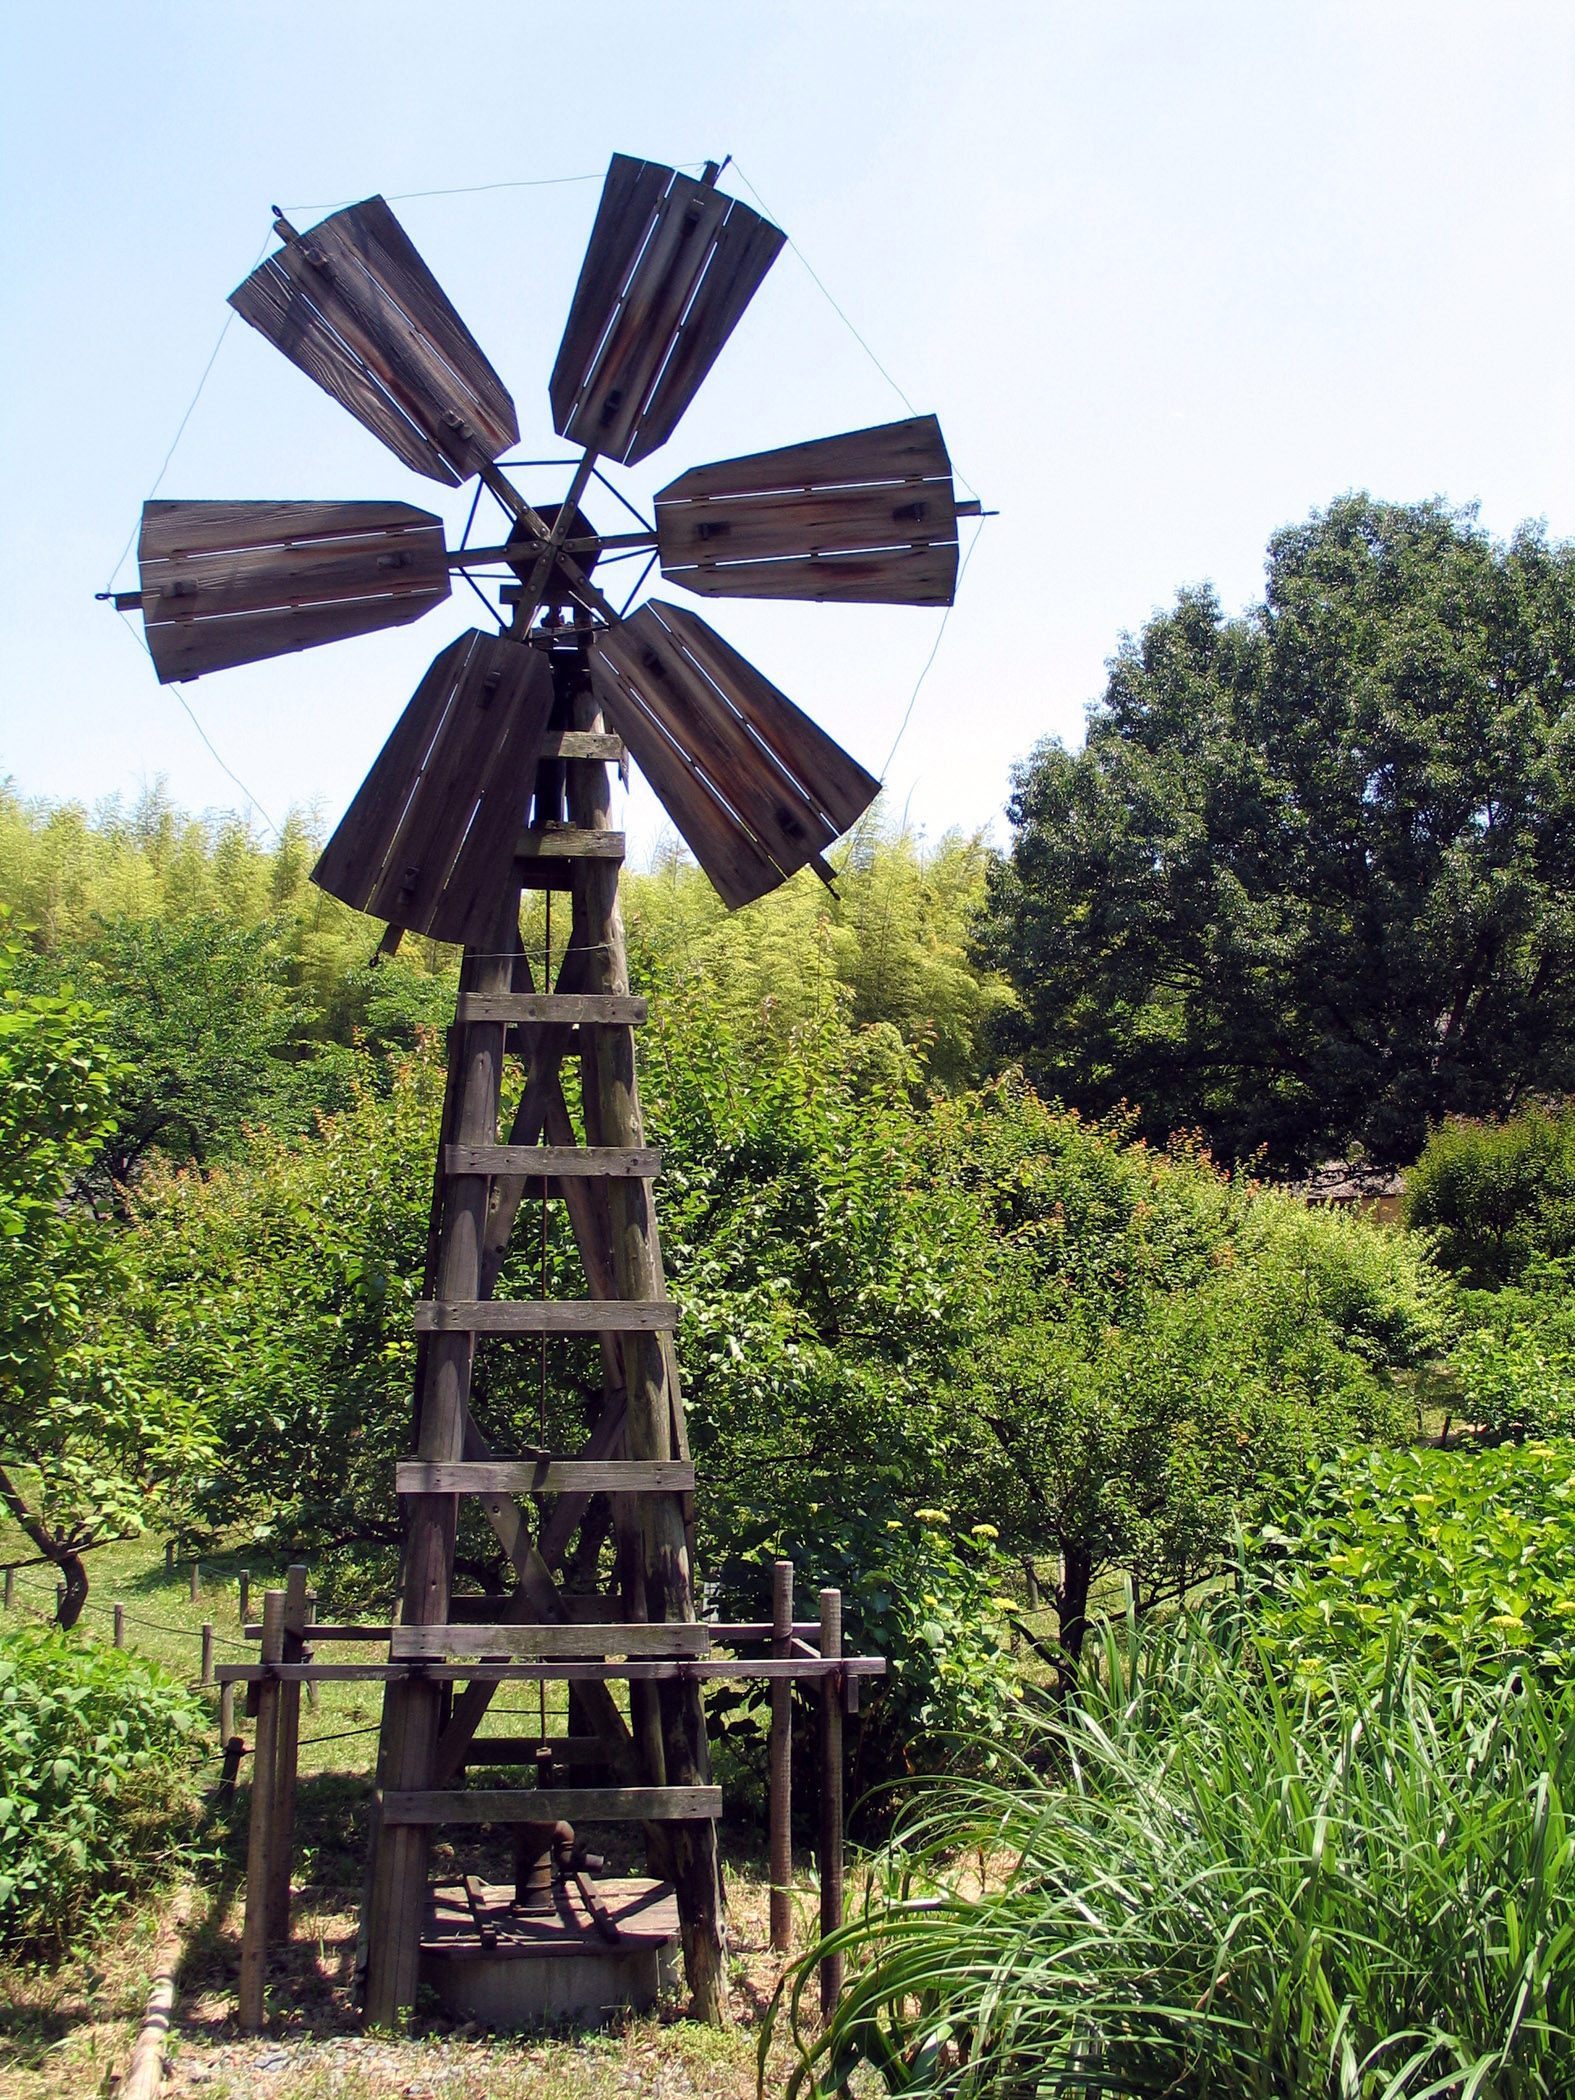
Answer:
(1360, 1892)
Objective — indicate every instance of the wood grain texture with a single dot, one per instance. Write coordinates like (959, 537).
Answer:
(580, 743)
(544, 1316)
(583, 1162)
(756, 788)
(566, 1009)
(550, 1476)
(867, 517)
(233, 583)
(549, 1643)
(354, 305)
(671, 266)
(429, 839)
(567, 843)
(571, 1804)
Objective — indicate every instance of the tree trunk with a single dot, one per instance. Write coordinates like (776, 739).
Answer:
(74, 1596)
(1071, 1598)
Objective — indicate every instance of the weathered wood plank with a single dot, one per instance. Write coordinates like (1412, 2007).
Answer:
(549, 1476)
(233, 583)
(544, 1316)
(569, 844)
(354, 305)
(571, 1804)
(581, 743)
(635, 1668)
(565, 1162)
(550, 1642)
(566, 1009)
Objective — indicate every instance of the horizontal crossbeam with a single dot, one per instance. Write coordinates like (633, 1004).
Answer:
(545, 1316)
(570, 844)
(566, 1009)
(664, 1638)
(568, 1804)
(580, 743)
(561, 1162)
(551, 1476)
(635, 1670)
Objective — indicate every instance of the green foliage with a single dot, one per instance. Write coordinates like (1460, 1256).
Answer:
(93, 1779)
(1472, 1551)
(1308, 884)
(1498, 1195)
(1229, 1887)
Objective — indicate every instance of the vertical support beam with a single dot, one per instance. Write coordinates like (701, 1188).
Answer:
(654, 1551)
(196, 1579)
(311, 1620)
(781, 1761)
(120, 1624)
(281, 1855)
(207, 1650)
(254, 1936)
(246, 1593)
(226, 1714)
(412, 1709)
(830, 1800)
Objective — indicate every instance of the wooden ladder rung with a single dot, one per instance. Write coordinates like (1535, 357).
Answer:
(545, 1009)
(559, 1162)
(570, 1804)
(581, 743)
(665, 1639)
(568, 843)
(545, 1316)
(549, 1476)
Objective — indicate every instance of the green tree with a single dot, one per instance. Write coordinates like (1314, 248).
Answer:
(1310, 884)
(92, 1441)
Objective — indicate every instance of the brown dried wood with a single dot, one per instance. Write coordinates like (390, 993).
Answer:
(544, 1316)
(353, 304)
(547, 1476)
(868, 517)
(233, 583)
(547, 1643)
(602, 1804)
(429, 840)
(585, 1162)
(672, 264)
(564, 1009)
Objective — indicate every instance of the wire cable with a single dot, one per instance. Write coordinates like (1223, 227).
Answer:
(930, 659)
(176, 688)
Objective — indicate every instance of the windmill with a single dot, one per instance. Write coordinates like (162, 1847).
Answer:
(494, 780)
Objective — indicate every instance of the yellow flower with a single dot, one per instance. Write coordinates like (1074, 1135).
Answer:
(984, 1531)
(932, 1516)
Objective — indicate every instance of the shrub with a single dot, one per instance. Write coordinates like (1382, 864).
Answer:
(1497, 1194)
(1229, 1889)
(93, 1775)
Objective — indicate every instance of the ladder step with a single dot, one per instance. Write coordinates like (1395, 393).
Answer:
(580, 743)
(545, 1316)
(570, 1804)
(549, 1643)
(548, 1476)
(567, 843)
(562, 1162)
(567, 1009)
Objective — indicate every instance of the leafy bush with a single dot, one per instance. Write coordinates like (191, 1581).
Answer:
(1472, 1550)
(93, 1776)
(1229, 1888)
(1497, 1194)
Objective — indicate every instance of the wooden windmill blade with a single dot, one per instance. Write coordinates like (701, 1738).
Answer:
(429, 839)
(754, 786)
(353, 304)
(671, 266)
(868, 517)
(232, 583)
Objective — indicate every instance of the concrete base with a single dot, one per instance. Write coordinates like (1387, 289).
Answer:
(557, 1968)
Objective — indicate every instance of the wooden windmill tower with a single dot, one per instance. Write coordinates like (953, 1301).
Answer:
(495, 780)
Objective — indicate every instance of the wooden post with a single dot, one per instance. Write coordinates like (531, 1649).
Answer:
(660, 1576)
(226, 1714)
(120, 1625)
(830, 1800)
(781, 1762)
(246, 1593)
(196, 1577)
(1031, 1577)
(254, 1936)
(397, 1909)
(207, 1651)
(281, 1853)
(311, 1617)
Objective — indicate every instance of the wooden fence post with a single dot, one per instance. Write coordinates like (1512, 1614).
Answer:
(196, 1578)
(120, 1625)
(830, 1799)
(226, 1714)
(281, 1856)
(246, 1593)
(254, 1938)
(207, 1651)
(782, 1761)
(311, 1620)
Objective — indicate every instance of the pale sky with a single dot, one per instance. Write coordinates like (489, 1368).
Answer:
(1171, 275)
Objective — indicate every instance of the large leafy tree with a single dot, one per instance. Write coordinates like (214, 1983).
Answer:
(1309, 884)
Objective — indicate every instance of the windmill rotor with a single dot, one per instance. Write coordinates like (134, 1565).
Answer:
(756, 789)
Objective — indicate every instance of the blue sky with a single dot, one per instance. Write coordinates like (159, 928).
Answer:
(1170, 274)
